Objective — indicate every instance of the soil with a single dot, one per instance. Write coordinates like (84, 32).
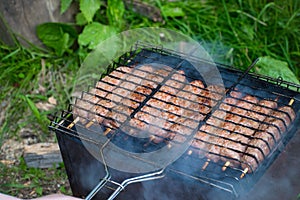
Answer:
(16, 179)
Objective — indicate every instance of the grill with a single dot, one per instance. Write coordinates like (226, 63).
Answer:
(217, 131)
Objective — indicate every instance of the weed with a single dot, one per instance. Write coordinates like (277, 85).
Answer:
(21, 180)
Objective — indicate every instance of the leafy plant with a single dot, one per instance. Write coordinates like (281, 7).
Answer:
(88, 8)
(275, 68)
(94, 33)
(238, 31)
(60, 37)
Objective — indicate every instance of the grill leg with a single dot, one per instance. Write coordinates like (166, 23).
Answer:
(98, 187)
(152, 176)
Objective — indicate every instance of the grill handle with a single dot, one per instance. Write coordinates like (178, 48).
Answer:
(244, 74)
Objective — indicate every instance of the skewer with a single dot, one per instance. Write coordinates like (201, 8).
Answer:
(227, 163)
(88, 125)
(106, 131)
(291, 102)
(151, 138)
(244, 172)
(73, 123)
(205, 164)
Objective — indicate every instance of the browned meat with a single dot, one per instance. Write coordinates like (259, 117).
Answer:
(212, 92)
(264, 140)
(217, 144)
(217, 90)
(217, 120)
(260, 145)
(158, 115)
(231, 100)
(199, 144)
(86, 107)
(257, 149)
(235, 143)
(115, 77)
(110, 91)
(242, 106)
(260, 111)
(202, 138)
(243, 130)
(208, 139)
(278, 121)
(117, 115)
(234, 147)
(131, 91)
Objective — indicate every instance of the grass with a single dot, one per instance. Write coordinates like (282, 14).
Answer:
(234, 32)
(26, 182)
(252, 28)
(28, 76)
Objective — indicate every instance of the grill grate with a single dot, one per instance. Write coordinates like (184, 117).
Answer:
(208, 164)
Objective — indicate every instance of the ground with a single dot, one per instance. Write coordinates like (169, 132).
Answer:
(20, 181)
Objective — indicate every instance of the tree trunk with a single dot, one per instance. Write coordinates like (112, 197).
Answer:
(21, 17)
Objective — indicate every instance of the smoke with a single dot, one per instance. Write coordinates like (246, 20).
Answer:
(170, 188)
(281, 180)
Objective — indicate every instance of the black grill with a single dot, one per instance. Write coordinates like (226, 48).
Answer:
(196, 168)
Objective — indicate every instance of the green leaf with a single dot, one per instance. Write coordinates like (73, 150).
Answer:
(89, 8)
(169, 11)
(80, 19)
(57, 36)
(21, 75)
(39, 190)
(64, 5)
(62, 189)
(115, 11)
(32, 107)
(275, 68)
(95, 33)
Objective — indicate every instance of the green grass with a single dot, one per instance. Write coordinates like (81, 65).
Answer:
(28, 76)
(251, 28)
(26, 182)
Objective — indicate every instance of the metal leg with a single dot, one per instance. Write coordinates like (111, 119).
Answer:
(107, 177)
(98, 187)
(146, 177)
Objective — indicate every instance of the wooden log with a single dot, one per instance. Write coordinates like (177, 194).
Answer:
(42, 155)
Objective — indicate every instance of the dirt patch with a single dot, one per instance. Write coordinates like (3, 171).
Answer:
(23, 182)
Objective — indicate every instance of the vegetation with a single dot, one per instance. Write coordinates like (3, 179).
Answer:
(234, 32)
(21, 181)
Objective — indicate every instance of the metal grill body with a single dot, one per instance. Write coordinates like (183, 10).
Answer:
(209, 161)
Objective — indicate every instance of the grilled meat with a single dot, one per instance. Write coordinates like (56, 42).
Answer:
(265, 139)
(243, 130)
